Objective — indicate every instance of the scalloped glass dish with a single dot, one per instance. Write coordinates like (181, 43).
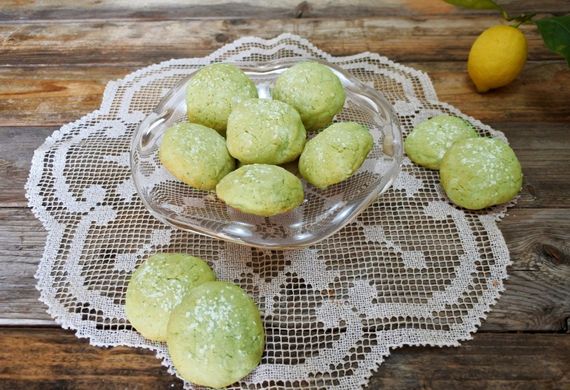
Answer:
(322, 213)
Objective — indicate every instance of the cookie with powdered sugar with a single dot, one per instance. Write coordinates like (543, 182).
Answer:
(214, 91)
(335, 153)
(261, 189)
(313, 90)
(265, 131)
(429, 140)
(157, 286)
(215, 335)
(480, 172)
(196, 155)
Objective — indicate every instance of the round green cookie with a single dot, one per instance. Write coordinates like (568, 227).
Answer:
(480, 172)
(157, 286)
(313, 90)
(265, 131)
(195, 154)
(215, 335)
(427, 143)
(214, 91)
(335, 154)
(261, 189)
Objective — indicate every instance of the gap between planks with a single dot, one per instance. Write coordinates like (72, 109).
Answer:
(133, 66)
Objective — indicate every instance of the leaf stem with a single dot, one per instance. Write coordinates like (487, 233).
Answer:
(524, 18)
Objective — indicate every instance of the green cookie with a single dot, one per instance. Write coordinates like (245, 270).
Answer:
(157, 286)
(265, 131)
(195, 154)
(215, 335)
(480, 172)
(261, 189)
(428, 142)
(313, 90)
(335, 154)
(214, 91)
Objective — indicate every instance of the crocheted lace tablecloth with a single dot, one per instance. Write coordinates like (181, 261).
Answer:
(412, 269)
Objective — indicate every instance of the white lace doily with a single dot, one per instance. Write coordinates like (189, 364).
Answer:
(412, 270)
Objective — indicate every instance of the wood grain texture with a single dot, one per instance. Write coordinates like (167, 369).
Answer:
(22, 239)
(15, 162)
(34, 96)
(193, 9)
(220, 9)
(538, 95)
(37, 95)
(537, 296)
(60, 360)
(491, 361)
(57, 55)
(141, 43)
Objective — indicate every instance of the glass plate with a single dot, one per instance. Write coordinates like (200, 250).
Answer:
(322, 213)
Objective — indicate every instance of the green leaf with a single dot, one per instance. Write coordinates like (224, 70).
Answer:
(475, 4)
(555, 32)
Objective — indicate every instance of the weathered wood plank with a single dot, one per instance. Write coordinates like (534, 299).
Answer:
(537, 289)
(539, 93)
(193, 9)
(52, 96)
(541, 147)
(537, 296)
(493, 361)
(60, 360)
(15, 161)
(490, 361)
(127, 42)
(22, 239)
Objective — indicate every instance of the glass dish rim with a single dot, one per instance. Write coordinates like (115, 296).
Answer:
(159, 112)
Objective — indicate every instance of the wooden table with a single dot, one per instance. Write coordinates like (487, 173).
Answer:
(56, 58)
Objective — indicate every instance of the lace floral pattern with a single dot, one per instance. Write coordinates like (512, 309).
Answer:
(412, 269)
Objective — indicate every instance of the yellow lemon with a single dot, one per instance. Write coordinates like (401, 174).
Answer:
(497, 57)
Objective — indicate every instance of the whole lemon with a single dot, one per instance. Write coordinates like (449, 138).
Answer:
(497, 57)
